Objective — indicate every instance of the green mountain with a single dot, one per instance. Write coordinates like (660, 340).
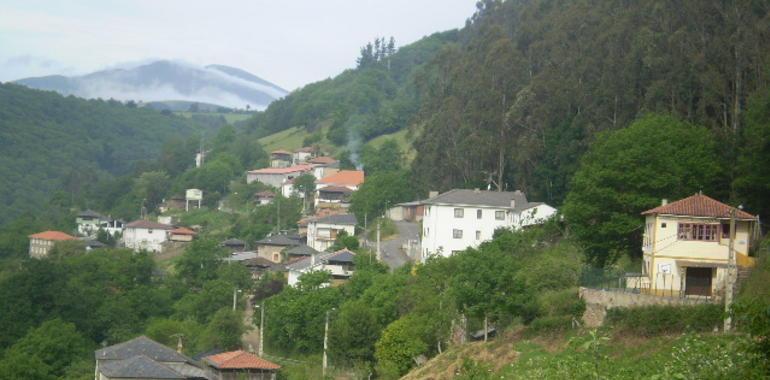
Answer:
(52, 143)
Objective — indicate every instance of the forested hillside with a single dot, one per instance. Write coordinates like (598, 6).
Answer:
(375, 98)
(49, 142)
(530, 83)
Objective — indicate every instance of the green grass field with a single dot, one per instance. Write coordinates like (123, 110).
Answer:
(404, 142)
(292, 138)
(229, 117)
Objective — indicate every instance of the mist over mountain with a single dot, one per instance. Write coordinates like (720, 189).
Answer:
(167, 81)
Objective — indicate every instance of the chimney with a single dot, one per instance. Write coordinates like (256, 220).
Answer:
(663, 202)
(513, 203)
(432, 194)
(179, 343)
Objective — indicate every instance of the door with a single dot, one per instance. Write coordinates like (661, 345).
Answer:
(698, 281)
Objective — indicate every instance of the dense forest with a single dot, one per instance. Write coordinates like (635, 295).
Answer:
(51, 143)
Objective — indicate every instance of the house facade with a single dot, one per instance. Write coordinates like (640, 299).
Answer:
(339, 264)
(324, 166)
(321, 233)
(460, 218)
(146, 235)
(40, 244)
(333, 195)
(303, 154)
(277, 176)
(281, 158)
(686, 246)
(240, 365)
(351, 179)
(90, 222)
(271, 248)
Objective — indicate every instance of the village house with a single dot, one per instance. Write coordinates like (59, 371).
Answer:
(322, 232)
(89, 223)
(233, 245)
(324, 166)
(264, 197)
(281, 158)
(339, 264)
(176, 202)
(686, 246)
(40, 244)
(271, 247)
(303, 154)
(144, 358)
(255, 264)
(146, 235)
(182, 235)
(408, 212)
(299, 251)
(240, 365)
(333, 195)
(460, 218)
(350, 179)
(277, 176)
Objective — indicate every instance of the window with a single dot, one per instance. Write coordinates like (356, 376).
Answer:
(478, 214)
(663, 225)
(700, 232)
(500, 215)
(459, 213)
(726, 231)
(478, 235)
(457, 234)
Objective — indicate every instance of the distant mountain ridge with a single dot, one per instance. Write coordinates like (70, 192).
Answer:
(167, 81)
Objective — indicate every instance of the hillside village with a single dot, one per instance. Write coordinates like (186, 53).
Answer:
(552, 190)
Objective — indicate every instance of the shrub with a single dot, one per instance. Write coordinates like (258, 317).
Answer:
(656, 320)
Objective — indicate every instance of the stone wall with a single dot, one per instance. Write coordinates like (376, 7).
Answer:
(598, 301)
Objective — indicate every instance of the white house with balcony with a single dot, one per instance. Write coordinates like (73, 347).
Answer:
(460, 218)
(339, 264)
(321, 233)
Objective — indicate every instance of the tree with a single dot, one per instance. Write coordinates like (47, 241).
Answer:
(353, 333)
(200, 261)
(752, 182)
(379, 191)
(387, 158)
(628, 171)
(224, 330)
(55, 342)
(345, 241)
(401, 342)
(151, 187)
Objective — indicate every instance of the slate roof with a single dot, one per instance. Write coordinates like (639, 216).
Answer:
(341, 256)
(93, 244)
(301, 250)
(146, 224)
(52, 235)
(141, 345)
(342, 219)
(699, 205)
(240, 360)
(281, 151)
(138, 367)
(470, 197)
(279, 240)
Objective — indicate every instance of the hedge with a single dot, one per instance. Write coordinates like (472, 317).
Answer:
(657, 320)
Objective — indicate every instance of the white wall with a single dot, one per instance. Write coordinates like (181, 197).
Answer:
(142, 238)
(317, 232)
(535, 215)
(440, 221)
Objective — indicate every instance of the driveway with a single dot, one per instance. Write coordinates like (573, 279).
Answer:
(392, 253)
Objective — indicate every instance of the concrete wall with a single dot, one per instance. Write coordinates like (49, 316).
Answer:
(439, 223)
(147, 239)
(598, 301)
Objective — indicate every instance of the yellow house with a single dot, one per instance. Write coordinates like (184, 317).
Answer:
(686, 246)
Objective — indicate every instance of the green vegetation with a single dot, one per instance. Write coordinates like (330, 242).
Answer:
(629, 171)
(658, 320)
(68, 146)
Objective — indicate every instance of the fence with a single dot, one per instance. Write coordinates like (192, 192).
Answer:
(663, 285)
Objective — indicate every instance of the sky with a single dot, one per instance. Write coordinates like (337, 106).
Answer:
(288, 42)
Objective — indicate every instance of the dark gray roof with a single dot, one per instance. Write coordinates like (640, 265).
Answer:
(343, 219)
(301, 250)
(141, 345)
(279, 240)
(480, 198)
(341, 256)
(138, 367)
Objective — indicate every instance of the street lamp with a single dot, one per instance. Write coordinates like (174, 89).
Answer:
(261, 328)
(235, 296)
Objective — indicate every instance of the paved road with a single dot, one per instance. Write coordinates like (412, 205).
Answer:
(392, 254)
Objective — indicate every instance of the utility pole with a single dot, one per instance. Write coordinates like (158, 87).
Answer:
(262, 329)
(731, 274)
(326, 344)
(278, 214)
(235, 297)
(379, 253)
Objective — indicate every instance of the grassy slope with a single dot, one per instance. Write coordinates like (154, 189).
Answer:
(230, 117)
(513, 356)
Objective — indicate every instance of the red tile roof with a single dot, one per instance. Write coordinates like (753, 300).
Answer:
(698, 205)
(183, 231)
(52, 235)
(240, 360)
(345, 178)
(290, 169)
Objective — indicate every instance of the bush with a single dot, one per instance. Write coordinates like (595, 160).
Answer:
(657, 320)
